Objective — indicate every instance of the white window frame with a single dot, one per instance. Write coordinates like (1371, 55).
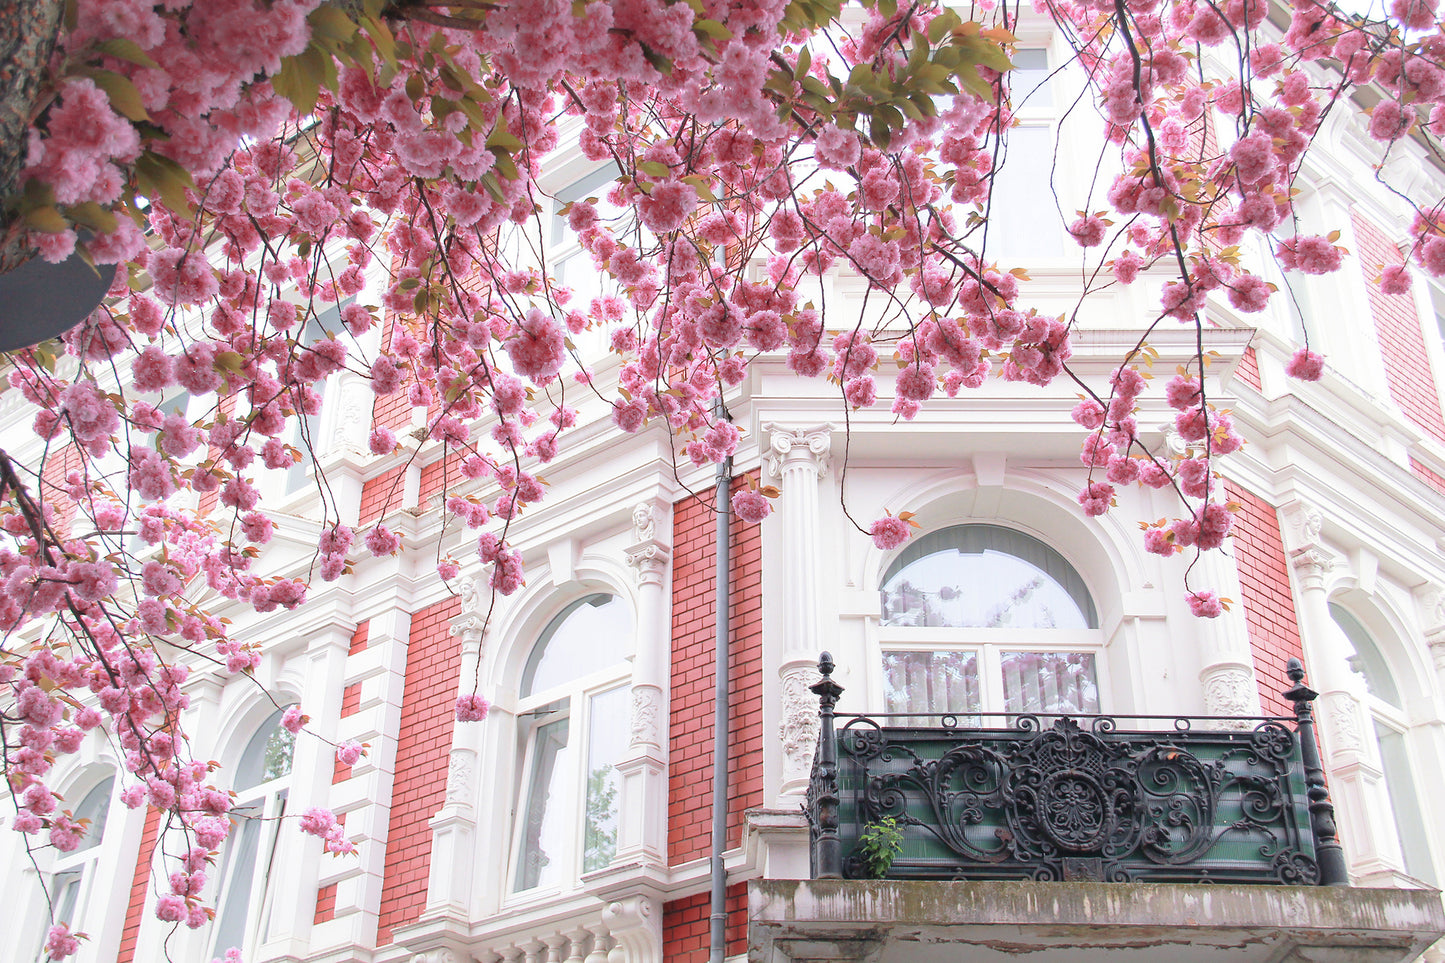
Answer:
(989, 645)
(577, 696)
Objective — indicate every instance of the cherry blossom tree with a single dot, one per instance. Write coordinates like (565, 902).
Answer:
(250, 163)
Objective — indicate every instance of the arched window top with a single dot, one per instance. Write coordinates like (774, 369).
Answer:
(1368, 662)
(589, 634)
(984, 576)
(95, 807)
(267, 755)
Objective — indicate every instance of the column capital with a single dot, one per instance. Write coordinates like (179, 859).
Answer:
(797, 446)
(650, 559)
(1311, 565)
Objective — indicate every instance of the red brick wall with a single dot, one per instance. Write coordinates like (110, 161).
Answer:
(358, 638)
(1248, 370)
(1268, 603)
(382, 493)
(138, 882)
(1402, 342)
(685, 931)
(325, 904)
(693, 638)
(430, 694)
(1432, 478)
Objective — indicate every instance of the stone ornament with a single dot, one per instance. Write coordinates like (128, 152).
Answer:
(793, 445)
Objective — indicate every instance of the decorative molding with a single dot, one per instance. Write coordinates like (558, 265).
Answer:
(1311, 565)
(644, 522)
(1305, 524)
(353, 417)
(634, 924)
(469, 624)
(646, 715)
(650, 560)
(1343, 712)
(807, 447)
(799, 728)
(460, 778)
(1230, 690)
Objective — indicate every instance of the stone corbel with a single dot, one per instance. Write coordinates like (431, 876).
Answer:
(651, 550)
(635, 925)
(1302, 528)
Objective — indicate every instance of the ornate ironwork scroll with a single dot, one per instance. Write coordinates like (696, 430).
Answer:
(1056, 798)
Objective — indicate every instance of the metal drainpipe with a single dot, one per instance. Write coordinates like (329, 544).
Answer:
(717, 915)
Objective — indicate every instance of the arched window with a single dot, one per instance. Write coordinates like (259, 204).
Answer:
(261, 781)
(981, 618)
(1388, 718)
(73, 875)
(573, 726)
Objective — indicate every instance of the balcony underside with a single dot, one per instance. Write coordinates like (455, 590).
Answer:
(799, 921)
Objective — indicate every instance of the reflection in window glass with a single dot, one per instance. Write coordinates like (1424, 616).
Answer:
(1409, 822)
(1049, 682)
(243, 906)
(606, 745)
(942, 682)
(1023, 218)
(545, 826)
(1367, 662)
(590, 634)
(984, 576)
(1027, 87)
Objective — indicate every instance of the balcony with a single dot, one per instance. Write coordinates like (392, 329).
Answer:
(1069, 837)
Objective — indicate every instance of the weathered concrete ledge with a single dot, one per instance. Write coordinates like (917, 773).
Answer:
(922, 922)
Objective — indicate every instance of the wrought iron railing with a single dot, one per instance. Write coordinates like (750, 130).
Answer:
(1051, 797)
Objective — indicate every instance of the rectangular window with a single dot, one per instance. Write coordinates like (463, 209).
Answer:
(944, 682)
(1049, 682)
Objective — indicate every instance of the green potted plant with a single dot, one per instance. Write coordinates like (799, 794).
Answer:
(880, 843)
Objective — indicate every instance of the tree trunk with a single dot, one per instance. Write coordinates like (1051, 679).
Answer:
(28, 31)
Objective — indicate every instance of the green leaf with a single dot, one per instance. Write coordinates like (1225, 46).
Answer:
(46, 219)
(329, 23)
(298, 82)
(123, 48)
(805, 60)
(92, 215)
(655, 169)
(161, 178)
(976, 50)
(942, 25)
(712, 28)
(124, 96)
(501, 139)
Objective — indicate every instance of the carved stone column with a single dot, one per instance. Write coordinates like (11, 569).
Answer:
(642, 827)
(1351, 757)
(454, 827)
(797, 458)
(1226, 674)
(1434, 621)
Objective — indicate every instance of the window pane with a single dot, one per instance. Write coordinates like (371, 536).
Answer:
(1367, 662)
(985, 576)
(1049, 682)
(267, 755)
(1409, 823)
(1023, 218)
(239, 873)
(590, 634)
(544, 833)
(941, 682)
(95, 807)
(1027, 87)
(606, 744)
